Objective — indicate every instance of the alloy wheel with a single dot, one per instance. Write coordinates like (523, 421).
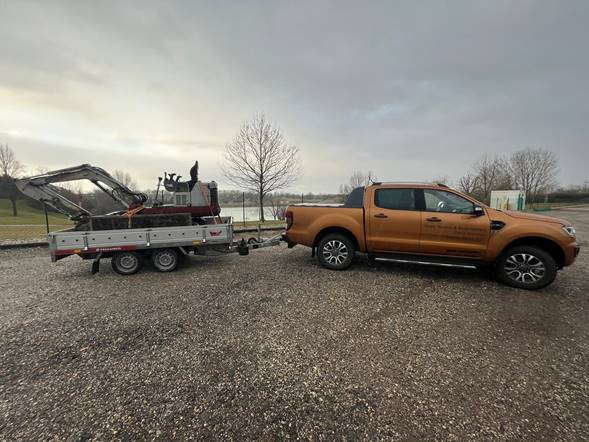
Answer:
(524, 268)
(335, 252)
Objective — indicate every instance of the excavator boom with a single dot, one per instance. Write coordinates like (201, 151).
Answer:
(41, 187)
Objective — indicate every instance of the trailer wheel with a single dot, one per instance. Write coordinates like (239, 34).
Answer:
(165, 260)
(126, 263)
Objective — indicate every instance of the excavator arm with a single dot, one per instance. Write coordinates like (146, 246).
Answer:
(41, 187)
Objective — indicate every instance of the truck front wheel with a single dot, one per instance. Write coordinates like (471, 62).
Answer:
(526, 267)
(335, 252)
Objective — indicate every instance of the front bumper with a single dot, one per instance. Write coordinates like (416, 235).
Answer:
(571, 251)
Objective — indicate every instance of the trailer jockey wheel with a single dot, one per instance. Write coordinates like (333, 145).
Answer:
(165, 260)
(126, 263)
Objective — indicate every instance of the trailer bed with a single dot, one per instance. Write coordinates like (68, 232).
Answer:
(128, 248)
(70, 242)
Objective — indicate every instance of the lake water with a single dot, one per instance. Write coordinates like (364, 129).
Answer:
(251, 213)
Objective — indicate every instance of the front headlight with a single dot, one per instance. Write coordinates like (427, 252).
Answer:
(570, 230)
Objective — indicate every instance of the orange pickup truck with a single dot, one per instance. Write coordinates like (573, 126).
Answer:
(433, 224)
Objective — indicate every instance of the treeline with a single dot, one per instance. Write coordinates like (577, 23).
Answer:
(579, 195)
(235, 198)
(532, 170)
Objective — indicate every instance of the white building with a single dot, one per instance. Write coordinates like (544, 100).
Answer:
(508, 199)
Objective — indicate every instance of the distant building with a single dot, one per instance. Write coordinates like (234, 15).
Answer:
(508, 199)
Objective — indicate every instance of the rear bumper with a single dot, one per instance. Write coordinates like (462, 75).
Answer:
(571, 251)
(288, 240)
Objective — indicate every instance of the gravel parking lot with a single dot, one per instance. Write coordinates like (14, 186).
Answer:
(272, 345)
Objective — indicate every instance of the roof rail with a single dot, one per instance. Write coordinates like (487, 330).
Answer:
(378, 183)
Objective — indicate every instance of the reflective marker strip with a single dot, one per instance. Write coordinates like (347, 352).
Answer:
(94, 250)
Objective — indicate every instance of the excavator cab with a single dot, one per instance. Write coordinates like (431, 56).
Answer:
(199, 199)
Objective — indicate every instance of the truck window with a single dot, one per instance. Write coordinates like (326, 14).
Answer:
(355, 198)
(442, 201)
(395, 199)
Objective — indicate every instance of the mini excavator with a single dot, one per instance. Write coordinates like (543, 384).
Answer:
(193, 197)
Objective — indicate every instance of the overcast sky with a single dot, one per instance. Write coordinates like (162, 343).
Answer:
(410, 90)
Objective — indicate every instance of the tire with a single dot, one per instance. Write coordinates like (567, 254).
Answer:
(335, 251)
(526, 267)
(165, 260)
(126, 263)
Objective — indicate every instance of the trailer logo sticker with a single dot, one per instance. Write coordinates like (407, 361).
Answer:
(215, 232)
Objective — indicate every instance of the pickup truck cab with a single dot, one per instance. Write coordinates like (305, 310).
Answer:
(433, 224)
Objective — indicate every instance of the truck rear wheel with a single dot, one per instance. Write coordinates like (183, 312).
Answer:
(526, 267)
(126, 263)
(165, 260)
(335, 252)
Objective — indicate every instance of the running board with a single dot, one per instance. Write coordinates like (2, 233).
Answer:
(429, 263)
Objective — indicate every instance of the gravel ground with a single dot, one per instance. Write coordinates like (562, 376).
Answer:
(272, 345)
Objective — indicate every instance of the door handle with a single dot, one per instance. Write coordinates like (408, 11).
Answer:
(380, 215)
(433, 219)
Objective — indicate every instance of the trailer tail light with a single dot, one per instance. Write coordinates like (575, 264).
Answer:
(289, 219)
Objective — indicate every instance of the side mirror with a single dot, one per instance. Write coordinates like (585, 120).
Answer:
(478, 211)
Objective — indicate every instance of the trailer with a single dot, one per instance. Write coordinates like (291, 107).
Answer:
(128, 249)
(162, 233)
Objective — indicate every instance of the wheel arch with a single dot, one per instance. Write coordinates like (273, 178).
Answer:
(550, 246)
(338, 230)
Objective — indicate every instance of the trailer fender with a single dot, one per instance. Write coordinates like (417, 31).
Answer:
(96, 264)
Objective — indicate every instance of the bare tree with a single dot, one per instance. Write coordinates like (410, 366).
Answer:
(260, 160)
(277, 207)
(10, 168)
(124, 178)
(468, 183)
(534, 171)
(357, 179)
(492, 173)
(9, 165)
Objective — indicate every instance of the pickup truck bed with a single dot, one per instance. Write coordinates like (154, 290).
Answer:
(312, 222)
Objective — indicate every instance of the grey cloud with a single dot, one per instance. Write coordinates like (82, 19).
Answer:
(410, 90)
